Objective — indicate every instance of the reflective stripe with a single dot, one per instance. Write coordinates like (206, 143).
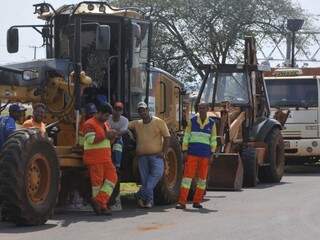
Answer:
(81, 140)
(104, 144)
(89, 137)
(89, 134)
(186, 183)
(200, 137)
(107, 187)
(95, 190)
(201, 184)
(117, 147)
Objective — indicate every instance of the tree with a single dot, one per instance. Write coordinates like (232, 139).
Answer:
(188, 33)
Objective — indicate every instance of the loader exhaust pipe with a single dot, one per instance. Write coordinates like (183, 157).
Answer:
(77, 66)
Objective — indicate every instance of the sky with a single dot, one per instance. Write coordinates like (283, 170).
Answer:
(17, 12)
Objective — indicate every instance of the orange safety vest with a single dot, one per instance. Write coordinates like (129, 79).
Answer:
(97, 148)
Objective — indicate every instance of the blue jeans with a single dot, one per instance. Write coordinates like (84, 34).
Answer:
(117, 152)
(151, 169)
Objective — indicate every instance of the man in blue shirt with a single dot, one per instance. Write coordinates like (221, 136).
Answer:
(8, 123)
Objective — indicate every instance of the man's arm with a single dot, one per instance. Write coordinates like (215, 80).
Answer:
(91, 137)
(10, 127)
(132, 125)
(124, 128)
(213, 139)
(166, 144)
(186, 137)
(166, 136)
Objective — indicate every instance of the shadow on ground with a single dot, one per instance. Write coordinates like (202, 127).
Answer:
(6, 227)
(65, 218)
(303, 170)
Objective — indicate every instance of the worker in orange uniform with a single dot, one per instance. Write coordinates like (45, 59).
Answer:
(199, 142)
(39, 112)
(97, 157)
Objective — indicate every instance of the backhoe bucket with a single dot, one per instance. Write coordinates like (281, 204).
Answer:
(225, 172)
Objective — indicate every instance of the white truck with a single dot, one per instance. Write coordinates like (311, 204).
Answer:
(298, 92)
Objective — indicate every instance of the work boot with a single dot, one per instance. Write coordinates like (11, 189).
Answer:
(180, 206)
(197, 205)
(117, 206)
(140, 201)
(148, 205)
(106, 212)
(95, 206)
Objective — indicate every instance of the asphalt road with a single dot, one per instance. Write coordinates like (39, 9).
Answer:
(289, 210)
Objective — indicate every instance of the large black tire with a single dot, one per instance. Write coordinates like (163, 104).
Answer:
(276, 160)
(29, 178)
(250, 171)
(167, 190)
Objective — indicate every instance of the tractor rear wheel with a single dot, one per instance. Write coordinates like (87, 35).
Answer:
(250, 170)
(29, 178)
(167, 190)
(274, 171)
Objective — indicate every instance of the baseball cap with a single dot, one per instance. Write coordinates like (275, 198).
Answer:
(142, 105)
(16, 108)
(118, 105)
(90, 108)
(105, 108)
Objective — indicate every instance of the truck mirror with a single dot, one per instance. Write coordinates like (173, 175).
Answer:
(103, 36)
(13, 40)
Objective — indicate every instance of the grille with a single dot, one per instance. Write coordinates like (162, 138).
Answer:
(291, 134)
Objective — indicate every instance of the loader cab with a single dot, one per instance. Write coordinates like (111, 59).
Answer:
(120, 72)
(236, 87)
(112, 46)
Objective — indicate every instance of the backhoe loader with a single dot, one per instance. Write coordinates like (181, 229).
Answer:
(250, 144)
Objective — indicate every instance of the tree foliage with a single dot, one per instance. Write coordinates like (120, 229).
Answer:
(188, 33)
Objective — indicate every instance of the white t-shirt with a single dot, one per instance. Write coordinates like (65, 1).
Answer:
(121, 125)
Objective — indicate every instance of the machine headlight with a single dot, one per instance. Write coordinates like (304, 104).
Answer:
(311, 127)
(30, 75)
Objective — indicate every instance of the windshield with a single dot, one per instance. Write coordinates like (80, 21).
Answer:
(231, 87)
(292, 92)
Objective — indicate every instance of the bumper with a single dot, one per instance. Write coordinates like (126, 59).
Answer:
(302, 147)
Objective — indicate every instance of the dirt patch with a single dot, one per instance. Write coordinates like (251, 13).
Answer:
(153, 227)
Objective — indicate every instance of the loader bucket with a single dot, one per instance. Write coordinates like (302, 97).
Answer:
(225, 172)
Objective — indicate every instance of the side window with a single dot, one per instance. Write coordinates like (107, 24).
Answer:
(138, 72)
(154, 76)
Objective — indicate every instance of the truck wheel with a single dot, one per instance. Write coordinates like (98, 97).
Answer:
(29, 178)
(250, 170)
(167, 190)
(274, 172)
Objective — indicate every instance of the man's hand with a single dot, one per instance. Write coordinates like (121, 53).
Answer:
(112, 134)
(185, 155)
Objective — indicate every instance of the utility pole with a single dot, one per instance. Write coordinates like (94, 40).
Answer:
(294, 25)
(35, 51)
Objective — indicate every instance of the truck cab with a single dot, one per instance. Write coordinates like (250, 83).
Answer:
(291, 90)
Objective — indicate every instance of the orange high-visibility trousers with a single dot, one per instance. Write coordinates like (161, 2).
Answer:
(103, 179)
(194, 166)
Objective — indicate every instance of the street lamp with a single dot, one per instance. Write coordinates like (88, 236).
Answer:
(294, 25)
